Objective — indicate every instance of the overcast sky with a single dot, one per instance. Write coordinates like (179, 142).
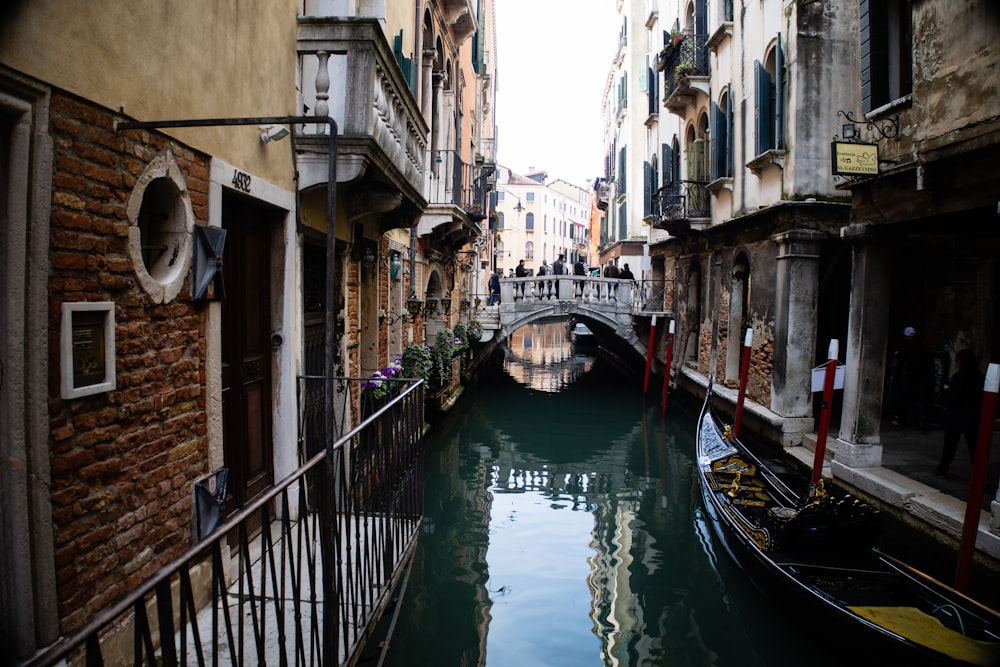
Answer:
(552, 63)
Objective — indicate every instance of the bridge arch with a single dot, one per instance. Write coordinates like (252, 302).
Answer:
(613, 319)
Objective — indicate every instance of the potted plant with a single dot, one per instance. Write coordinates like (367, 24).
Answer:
(417, 362)
(474, 331)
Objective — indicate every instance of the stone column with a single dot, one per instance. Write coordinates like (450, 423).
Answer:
(858, 444)
(426, 86)
(796, 297)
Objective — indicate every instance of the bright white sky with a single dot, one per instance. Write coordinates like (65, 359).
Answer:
(552, 63)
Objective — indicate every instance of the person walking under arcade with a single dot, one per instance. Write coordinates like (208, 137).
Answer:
(963, 401)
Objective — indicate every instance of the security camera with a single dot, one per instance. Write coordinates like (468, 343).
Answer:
(273, 133)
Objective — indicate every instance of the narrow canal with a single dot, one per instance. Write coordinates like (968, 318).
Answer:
(563, 526)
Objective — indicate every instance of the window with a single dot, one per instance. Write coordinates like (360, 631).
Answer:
(768, 101)
(529, 222)
(529, 250)
(161, 224)
(529, 196)
(499, 219)
(886, 52)
(648, 186)
(721, 165)
(500, 195)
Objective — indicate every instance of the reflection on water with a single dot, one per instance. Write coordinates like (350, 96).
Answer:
(563, 527)
(543, 357)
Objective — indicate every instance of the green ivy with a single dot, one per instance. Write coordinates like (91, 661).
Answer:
(417, 362)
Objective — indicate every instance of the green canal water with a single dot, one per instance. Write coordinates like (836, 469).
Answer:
(563, 527)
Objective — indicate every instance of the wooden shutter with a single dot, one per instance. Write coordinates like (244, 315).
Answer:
(668, 165)
(762, 107)
(779, 96)
(647, 188)
(717, 141)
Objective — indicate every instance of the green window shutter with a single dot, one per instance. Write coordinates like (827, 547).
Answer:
(623, 221)
(762, 107)
(647, 188)
(668, 164)
(729, 139)
(779, 94)
(715, 165)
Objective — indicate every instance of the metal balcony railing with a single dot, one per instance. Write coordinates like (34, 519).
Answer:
(676, 205)
(687, 57)
(452, 182)
(285, 580)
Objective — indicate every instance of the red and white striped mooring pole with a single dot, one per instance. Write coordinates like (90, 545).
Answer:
(978, 485)
(649, 354)
(744, 371)
(824, 414)
(666, 368)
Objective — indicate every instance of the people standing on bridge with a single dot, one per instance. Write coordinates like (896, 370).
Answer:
(626, 274)
(579, 268)
(963, 400)
(520, 272)
(558, 269)
(543, 270)
(494, 288)
(611, 271)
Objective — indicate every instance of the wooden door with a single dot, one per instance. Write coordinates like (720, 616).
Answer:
(246, 350)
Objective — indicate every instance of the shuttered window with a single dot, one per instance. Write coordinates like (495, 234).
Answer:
(886, 51)
(763, 121)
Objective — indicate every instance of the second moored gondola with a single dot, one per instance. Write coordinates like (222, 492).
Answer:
(816, 555)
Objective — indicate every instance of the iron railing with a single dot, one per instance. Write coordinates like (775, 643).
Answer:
(246, 595)
(687, 58)
(681, 201)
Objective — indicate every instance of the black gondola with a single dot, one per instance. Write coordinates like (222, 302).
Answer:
(816, 556)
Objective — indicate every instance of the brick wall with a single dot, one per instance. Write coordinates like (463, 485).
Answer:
(122, 462)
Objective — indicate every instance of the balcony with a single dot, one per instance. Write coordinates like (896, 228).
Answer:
(456, 199)
(682, 207)
(461, 16)
(685, 68)
(602, 187)
(383, 137)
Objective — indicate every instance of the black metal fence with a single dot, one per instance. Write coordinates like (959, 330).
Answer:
(246, 595)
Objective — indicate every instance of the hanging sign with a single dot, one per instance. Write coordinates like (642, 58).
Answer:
(850, 159)
(819, 375)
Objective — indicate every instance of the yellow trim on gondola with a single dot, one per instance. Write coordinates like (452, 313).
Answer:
(925, 630)
(760, 536)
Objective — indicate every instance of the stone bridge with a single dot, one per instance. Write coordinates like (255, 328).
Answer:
(603, 304)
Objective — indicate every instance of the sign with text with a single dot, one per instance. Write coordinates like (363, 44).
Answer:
(854, 159)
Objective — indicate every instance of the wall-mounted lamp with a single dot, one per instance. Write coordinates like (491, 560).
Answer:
(518, 207)
(413, 305)
(431, 305)
(478, 302)
(271, 133)
(367, 259)
(882, 128)
(388, 319)
(395, 264)
(446, 305)
(463, 305)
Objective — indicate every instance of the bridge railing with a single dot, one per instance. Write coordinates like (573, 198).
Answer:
(588, 289)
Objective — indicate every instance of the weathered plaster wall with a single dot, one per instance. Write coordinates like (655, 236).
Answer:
(164, 60)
